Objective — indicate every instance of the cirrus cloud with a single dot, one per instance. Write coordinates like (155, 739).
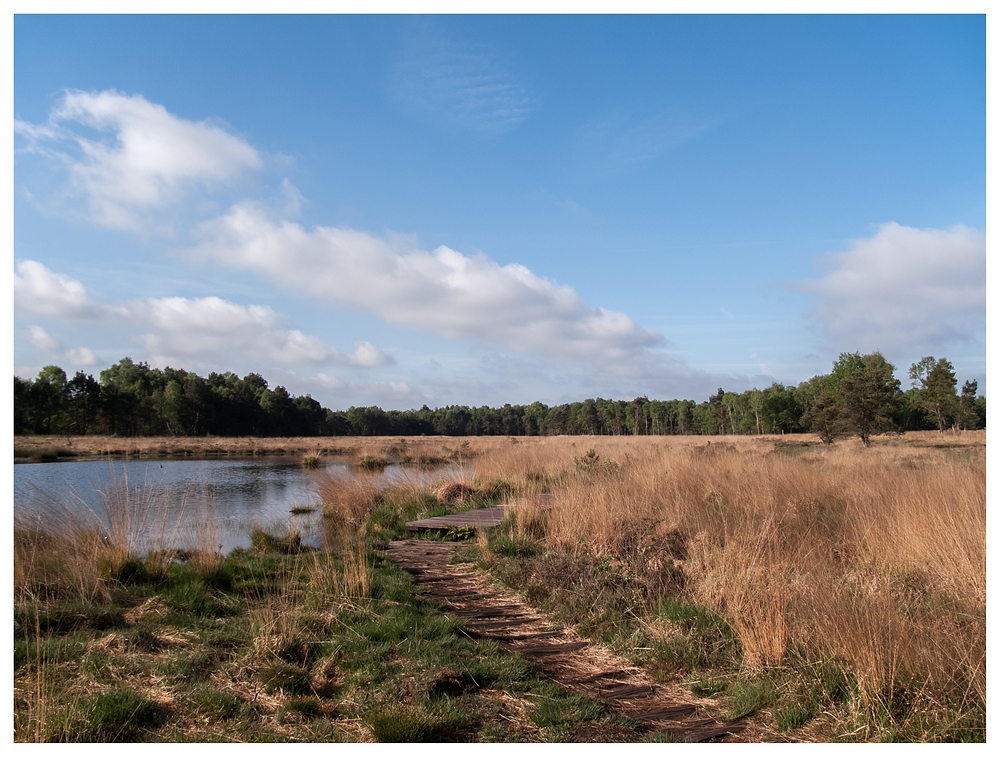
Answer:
(903, 289)
(459, 86)
(440, 291)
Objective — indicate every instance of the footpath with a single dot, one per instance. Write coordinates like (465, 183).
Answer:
(576, 664)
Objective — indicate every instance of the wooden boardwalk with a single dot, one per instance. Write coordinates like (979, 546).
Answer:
(582, 667)
(485, 517)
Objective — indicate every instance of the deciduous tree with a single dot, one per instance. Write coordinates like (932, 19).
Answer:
(937, 389)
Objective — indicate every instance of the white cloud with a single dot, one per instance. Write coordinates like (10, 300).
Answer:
(903, 289)
(293, 199)
(144, 157)
(40, 292)
(443, 291)
(40, 339)
(179, 326)
(329, 382)
(83, 357)
(210, 325)
(367, 355)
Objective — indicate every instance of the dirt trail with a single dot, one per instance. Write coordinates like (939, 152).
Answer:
(576, 664)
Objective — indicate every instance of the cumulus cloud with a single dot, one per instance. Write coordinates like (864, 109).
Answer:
(82, 356)
(40, 292)
(337, 393)
(209, 325)
(180, 326)
(142, 158)
(292, 197)
(441, 291)
(903, 288)
(40, 339)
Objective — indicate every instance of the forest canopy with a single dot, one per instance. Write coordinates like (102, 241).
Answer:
(859, 397)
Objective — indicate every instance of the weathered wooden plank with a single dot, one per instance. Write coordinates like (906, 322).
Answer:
(488, 612)
(454, 593)
(485, 517)
(598, 676)
(627, 692)
(443, 575)
(499, 625)
(516, 636)
(713, 733)
(664, 713)
(547, 649)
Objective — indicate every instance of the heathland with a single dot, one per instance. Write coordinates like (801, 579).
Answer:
(823, 592)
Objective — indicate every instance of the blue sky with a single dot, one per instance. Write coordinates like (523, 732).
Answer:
(408, 210)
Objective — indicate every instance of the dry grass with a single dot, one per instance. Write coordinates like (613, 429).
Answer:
(66, 553)
(455, 491)
(348, 499)
(873, 557)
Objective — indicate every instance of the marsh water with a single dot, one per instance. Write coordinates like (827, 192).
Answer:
(170, 502)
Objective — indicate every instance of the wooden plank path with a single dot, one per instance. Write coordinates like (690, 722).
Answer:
(485, 517)
(574, 663)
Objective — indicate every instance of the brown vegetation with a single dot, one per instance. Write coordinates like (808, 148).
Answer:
(873, 558)
(798, 558)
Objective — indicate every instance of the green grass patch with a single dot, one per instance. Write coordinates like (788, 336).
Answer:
(794, 715)
(398, 725)
(748, 697)
(288, 544)
(704, 639)
(308, 707)
(285, 678)
(216, 705)
(119, 715)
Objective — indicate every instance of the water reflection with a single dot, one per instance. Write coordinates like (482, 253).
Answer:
(181, 503)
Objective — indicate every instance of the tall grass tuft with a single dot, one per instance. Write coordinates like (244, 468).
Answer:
(348, 499)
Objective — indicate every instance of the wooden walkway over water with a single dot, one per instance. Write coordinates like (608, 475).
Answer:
(484, 517)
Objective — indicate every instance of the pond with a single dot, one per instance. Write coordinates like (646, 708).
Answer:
(179, 503)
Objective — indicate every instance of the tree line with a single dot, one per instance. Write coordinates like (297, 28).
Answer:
(860, 396)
